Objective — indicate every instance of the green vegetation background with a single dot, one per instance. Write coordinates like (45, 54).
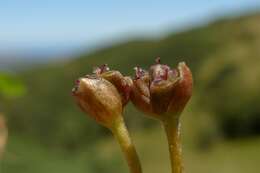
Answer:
(48, 133)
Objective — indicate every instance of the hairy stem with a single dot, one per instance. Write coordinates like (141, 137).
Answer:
(120, 132)
(172, 129)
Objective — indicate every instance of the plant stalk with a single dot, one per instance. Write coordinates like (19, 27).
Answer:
(172, 129)
(120, 132)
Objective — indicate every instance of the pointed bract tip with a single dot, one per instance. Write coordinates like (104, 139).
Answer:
(101, 69)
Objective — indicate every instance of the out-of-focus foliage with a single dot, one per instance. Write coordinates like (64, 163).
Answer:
(50, 134)
(224, 57)
(3, 135)
(10, 86)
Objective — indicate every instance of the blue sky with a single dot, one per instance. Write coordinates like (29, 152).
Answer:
(28, 23)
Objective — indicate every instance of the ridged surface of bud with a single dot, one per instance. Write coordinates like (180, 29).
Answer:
(162, 91)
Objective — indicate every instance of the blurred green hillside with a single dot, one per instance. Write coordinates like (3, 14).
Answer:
(223, 56)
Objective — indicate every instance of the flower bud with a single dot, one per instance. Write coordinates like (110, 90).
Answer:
(99, 98)
(103, 94)
(162, 90)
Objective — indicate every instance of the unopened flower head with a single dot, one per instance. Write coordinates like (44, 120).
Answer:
(162, 91)
(102, 94)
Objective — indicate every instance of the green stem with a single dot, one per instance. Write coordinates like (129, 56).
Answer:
(172, 129)
(120, 132)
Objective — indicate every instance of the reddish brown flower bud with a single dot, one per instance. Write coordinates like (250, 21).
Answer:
(162, 90)
(99, 98)
(163, 93)
(103, 94)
